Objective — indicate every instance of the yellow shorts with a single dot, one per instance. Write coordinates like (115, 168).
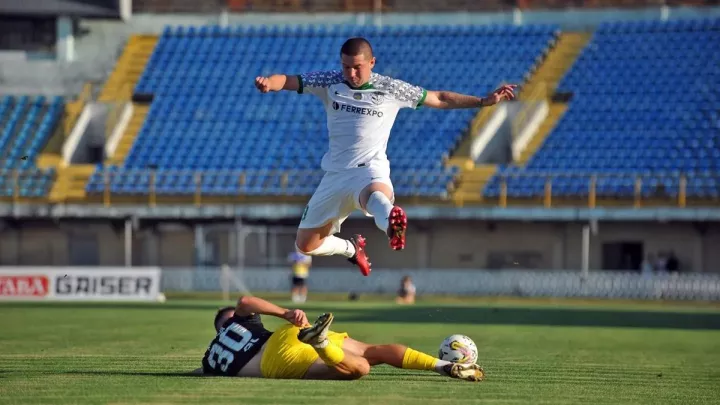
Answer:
(287, 357)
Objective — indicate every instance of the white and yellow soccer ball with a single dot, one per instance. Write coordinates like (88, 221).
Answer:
(458, 349)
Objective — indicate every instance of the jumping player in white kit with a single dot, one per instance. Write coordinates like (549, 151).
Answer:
(361, 107)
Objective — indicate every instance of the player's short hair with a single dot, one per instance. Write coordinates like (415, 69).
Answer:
(356, 46)
(220, 313)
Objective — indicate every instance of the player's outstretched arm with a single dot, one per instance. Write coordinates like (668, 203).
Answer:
(448, 100)
(253, 305)
(277, 83)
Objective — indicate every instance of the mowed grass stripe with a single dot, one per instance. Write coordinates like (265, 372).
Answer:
(605, 372)
(74, 354)
(520, 366)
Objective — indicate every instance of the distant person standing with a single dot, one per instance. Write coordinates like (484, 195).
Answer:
(300, 264)
(406, 292)
(647, 268)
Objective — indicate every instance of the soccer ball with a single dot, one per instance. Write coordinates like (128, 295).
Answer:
(458, 349)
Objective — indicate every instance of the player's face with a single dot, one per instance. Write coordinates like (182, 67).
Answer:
(356, 69)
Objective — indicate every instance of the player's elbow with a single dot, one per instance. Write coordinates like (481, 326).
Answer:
(446, 100)
(360, 370)
(437, 99)
(243, 301)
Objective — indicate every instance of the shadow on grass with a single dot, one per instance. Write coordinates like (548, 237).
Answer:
(535, 316)
(385, 375)
(467, 314)
(133, 373)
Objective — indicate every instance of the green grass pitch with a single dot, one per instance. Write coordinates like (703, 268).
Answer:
(534, 352)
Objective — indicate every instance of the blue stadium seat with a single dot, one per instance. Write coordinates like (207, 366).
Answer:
(645, 104)
(206, 114)
(25, 126)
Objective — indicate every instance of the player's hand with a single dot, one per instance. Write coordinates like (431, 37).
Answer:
(262, 84)
(504, 93)
(296, 317)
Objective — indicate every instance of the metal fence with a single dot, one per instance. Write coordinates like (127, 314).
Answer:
(522, 283)
(670, 189)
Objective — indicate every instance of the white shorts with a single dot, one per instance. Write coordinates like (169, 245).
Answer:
(338, 195)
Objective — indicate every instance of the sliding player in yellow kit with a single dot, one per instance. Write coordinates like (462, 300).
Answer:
(244, 348)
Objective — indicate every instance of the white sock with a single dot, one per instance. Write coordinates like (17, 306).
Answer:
(379, 206)
(439, 366)
(332, 245)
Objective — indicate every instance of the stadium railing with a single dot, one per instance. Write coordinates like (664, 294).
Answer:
(198, 187)
(152, 187)
(647, 190)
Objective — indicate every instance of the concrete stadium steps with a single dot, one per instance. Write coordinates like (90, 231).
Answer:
(557, 62)
(140, 111)
(470, 183)
(557, 109)
(545, 81)
(459, 162)
(74, 108)
(70, 183)
(463, 149)
(48, 161)
(51, 155)
(129, 68)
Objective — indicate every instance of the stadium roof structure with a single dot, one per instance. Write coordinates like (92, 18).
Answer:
(68, 8)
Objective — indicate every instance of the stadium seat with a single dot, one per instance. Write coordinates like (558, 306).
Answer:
(206, 115)
(25, 126)
(645, 105)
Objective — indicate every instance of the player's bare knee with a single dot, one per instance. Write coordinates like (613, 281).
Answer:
(307, 240)
(373, 187)
(305, 246)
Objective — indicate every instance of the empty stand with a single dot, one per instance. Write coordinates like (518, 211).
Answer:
(541, 84)
(25, 125)
(207, 117)
(72, 180)
(644, 115)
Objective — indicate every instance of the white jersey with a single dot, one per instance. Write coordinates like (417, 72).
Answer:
(359, 120)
